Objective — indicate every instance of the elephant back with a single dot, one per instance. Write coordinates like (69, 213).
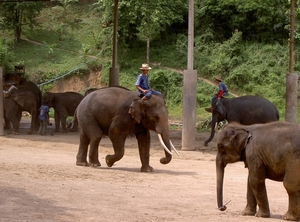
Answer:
(31, 86)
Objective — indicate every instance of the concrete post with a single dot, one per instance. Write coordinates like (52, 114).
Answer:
(189, 90)
(189, 110)
(114, 70)
(291, 97)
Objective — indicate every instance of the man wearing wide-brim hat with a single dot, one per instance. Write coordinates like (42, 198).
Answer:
(142, 83)
(223, 91)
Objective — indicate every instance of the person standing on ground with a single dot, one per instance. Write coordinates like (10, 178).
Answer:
(44, 118)
(223, 91)
(142, 83)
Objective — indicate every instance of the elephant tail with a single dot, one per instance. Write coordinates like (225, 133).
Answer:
(73, 125)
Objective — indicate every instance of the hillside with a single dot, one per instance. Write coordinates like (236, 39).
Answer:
(75, 41)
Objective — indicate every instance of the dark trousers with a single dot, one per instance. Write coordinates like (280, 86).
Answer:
(43, 127)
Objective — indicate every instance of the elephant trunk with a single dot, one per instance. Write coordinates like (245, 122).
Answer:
(165, 141)
(213, 124)
(220, 167)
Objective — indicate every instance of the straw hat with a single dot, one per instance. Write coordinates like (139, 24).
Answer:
(145, 66)
(218, 78)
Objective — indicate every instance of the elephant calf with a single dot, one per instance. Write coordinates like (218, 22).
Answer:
(271, 151)
(64, 105)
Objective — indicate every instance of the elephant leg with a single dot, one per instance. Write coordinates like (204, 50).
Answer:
(7, 123)
(144, 150)
(63, 118)
(93, 154)
(118, 145)
(33, 120)
(291, 183)
(258, 186)
(16, 122)
(250, 209)
(57, 121)
(83, 149)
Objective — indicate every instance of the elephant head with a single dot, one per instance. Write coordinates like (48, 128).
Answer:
(48, 98)
(153, 115)
(219, 113)
(231, 148)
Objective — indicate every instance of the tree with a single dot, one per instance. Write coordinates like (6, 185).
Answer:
(258, 20)
(16, 15)
(142, 20)
(6, 56)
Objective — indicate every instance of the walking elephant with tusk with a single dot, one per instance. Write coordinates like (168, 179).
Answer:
(269, 151)
(118, 112)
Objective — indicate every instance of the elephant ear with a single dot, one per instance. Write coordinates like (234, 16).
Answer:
(136, 110)
(220, 108)
(238, 138)
(19, 99)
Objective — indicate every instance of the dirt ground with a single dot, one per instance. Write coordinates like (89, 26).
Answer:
(39, 181)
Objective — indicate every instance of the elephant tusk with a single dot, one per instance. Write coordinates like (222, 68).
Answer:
(174, 148)
(163, 144)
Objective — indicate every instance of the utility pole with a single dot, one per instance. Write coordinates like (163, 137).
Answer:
(189, 90)
(291, 77)
(114, 70)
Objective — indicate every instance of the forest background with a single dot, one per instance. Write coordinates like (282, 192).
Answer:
(245, 42)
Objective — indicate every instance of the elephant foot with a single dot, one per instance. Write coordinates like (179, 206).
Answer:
(56, 130)
(264, 214)
(291, 216)
(95, 164)
(29, 132)
(147, 169)
(248, 211)
(82, 163)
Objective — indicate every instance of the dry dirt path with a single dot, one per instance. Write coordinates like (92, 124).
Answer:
(39, 181)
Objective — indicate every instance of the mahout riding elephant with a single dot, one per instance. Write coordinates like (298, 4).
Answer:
(16, 101)
(26, 85)
(269, 151)
(246, 110)
(64, 105)
(118, 112)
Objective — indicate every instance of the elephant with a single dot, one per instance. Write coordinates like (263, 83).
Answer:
(246, 110)
(64, 105)
(26, 85)
(88, 91)
(16, 101)
(269, 151)
(117, 112)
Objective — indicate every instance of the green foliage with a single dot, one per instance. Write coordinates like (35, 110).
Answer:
(141, 19)
(6, 56)
(17, 15)
(73, 34)
(258, 20)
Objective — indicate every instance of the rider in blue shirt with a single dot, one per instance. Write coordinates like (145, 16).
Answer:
(142, 84)
(223, 91)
